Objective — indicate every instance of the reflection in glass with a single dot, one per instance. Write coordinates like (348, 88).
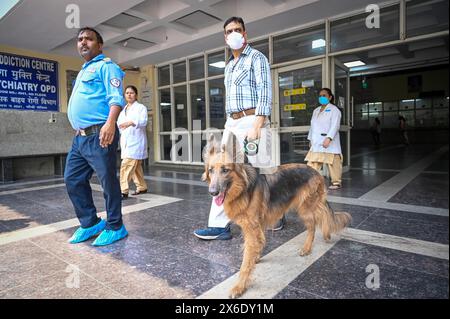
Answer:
(196, 68)
(299, 44)
(198, 105)
(352, 32)
(179, 72)
(165, 107)
(299, 91)
(216, 63)
(181, 113)
(424, 17)
(164, 75)
(217, 103)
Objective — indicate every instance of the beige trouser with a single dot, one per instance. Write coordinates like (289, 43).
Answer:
(335, 169)
(132, 169)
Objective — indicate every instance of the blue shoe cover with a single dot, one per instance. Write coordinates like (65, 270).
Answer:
(109, 236)
(83, 234)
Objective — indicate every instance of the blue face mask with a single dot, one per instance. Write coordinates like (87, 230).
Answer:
(323, 100)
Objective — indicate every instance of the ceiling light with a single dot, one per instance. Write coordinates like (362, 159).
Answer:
(354, 64)
(320, 43)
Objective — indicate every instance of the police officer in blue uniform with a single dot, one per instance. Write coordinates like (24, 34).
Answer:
(94, 106)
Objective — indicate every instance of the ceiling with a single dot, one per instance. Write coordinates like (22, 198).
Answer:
(140, 32)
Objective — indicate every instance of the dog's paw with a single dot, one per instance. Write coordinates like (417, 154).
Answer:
(236, 292)
(304, 252)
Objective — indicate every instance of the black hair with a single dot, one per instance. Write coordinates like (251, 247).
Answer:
(97, 34)
(133, 88)
(329, 93)
(234, 19)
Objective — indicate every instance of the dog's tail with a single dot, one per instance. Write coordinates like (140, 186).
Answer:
(332, 222)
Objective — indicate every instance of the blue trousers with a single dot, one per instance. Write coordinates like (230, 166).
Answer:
(85, 157)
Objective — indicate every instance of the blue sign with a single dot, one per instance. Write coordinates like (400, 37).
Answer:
(28, 83)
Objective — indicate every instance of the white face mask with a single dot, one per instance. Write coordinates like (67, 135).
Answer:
(235, 40)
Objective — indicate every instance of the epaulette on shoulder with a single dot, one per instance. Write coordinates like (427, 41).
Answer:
(107, 59)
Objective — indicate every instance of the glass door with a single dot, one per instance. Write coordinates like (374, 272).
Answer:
(340, 85)
(295, 98)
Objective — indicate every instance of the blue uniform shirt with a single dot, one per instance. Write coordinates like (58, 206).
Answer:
(98, 86)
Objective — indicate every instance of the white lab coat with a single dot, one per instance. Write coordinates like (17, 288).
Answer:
(133, 139)
(325, 124)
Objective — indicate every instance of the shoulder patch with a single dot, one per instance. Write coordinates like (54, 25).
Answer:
(107, 59)
(115, 82)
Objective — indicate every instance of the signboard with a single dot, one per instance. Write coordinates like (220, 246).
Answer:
(295, 107)
(28, 83)
(294, 92)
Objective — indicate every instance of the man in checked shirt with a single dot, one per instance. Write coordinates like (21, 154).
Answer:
(248, 104)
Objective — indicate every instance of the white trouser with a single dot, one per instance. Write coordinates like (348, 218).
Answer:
(240, 128)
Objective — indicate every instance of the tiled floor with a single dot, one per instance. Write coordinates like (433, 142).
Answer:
(162, 259)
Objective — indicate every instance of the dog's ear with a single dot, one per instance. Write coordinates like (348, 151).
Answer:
(210, 148)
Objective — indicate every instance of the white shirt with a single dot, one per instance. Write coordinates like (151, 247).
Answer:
(133, 139)
(325, 124)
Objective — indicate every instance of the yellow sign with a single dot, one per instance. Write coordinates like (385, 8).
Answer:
(294, 92)
(295, 107)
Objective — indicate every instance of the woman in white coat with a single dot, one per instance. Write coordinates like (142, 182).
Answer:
(325, 145)
(132, 124)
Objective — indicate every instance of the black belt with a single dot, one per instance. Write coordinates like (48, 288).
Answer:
(90, 130)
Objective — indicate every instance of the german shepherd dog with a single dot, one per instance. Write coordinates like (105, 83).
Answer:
(256, 201)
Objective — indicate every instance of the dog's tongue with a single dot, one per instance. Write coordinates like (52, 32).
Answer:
(219, 199)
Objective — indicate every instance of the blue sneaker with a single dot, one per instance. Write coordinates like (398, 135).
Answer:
(83, 234)
(109, 236)
(212, 233)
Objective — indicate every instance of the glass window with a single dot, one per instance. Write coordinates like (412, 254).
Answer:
(164, 75)
(298, 93)
(423, 17)
(217, 103)
(293, 147)
(166, 146)
(216, 63)
(424, 118)
(198, 106)
(407, 105)
(262, 46)
(181, 111)
(375, 107)
(360, 121)
(179, 72)
(409, 116)
(440, 102)
(340, 91)
(196, 68)
(362, 108)
(390, 106)
(299, 44)
(440, 117)
(390, 120)
(352, 32)
(422, 104)
(165, 107)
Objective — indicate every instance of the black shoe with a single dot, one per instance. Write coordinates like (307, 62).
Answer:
(124, 196)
